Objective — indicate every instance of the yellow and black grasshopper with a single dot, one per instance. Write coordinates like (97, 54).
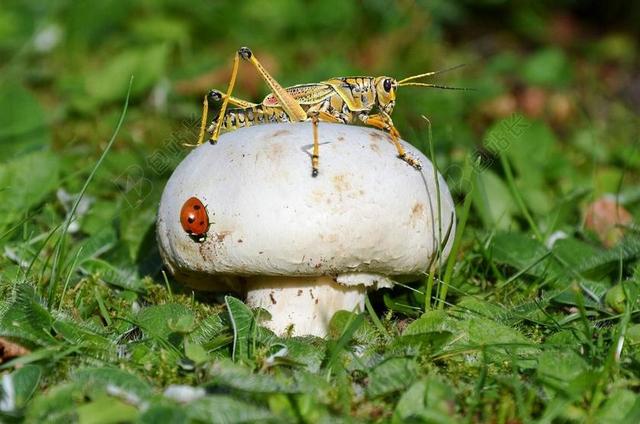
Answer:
(369, 100)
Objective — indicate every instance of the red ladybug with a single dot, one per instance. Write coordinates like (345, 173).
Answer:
(194, 219)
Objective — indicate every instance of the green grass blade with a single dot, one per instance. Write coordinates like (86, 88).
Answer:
(457, 241)
(518, 198)
(53, 281)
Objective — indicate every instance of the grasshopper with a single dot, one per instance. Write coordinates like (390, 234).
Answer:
(368, 100)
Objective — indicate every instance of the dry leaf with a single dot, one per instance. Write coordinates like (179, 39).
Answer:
(10, 350)
(607, 218)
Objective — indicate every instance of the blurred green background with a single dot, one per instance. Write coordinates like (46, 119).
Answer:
(565, 73)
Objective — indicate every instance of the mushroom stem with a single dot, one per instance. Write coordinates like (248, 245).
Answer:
(304, 304)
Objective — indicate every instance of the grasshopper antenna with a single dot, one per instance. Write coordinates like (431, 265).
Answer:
(445, 87)
(428, 74)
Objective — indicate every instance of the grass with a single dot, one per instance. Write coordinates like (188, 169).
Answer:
(533, 318)
(59, 247)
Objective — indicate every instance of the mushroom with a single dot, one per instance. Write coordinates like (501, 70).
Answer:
(299, 247)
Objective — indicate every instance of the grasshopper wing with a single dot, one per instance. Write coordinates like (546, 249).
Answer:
(305, 94)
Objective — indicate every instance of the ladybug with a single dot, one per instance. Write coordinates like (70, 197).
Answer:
(194, 219)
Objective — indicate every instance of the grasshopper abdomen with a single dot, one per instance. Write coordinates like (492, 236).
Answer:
(245, 117)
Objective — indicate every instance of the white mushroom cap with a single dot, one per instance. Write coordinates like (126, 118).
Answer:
(366, 219)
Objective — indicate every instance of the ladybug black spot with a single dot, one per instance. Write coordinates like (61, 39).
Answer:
(196, 207)
(191, 220)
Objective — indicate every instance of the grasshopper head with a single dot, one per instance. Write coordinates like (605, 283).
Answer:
(386, 93)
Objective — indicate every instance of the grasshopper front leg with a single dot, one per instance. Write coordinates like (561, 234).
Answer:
(384, 122)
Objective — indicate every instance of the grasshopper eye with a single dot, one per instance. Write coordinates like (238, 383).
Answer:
(387, 85)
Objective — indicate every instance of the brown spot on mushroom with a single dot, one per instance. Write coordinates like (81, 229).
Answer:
(202, 250)
(316, 302)
(299, 293)
(341, 183)
(375, 147)
(340, 138)
(416, 213)
(280, 132)
(329, 238)
(311, 294)
(275, 151)
(222, 235)
(273, 299)
(375, 136)
(318, 195)
(239, 240)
